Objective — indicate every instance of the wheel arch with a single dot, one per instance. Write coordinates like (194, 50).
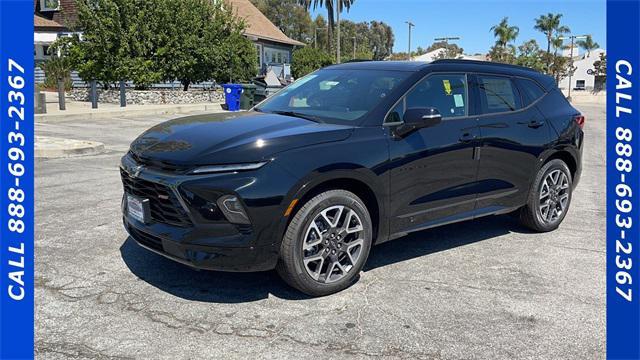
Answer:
(567, 157)
(364, 185)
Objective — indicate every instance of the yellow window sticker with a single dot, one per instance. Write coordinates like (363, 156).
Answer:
(447, 86)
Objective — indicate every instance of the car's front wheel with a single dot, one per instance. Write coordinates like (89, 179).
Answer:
(326, 243)
(549, 198)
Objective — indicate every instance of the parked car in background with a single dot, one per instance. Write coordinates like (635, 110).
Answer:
(351, 156)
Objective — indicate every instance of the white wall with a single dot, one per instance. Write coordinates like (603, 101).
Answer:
(582, 66)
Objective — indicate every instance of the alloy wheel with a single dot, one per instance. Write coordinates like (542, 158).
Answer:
(554, 196)
(333, 243)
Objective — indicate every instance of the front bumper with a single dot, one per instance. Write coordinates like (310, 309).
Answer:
(184, 235)
(204, 257)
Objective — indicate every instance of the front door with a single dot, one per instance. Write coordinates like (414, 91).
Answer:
(433, 170)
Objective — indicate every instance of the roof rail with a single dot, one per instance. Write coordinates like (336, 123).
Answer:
(480, 62)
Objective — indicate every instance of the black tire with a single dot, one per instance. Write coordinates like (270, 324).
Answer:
(291, 266)
(531, 215)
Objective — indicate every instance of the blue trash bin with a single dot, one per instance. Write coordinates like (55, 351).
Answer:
(232, 93)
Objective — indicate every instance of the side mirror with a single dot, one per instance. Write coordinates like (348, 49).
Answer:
(418, 118)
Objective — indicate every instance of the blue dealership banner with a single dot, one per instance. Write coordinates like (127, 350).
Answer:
(623, 182)
(16, 179)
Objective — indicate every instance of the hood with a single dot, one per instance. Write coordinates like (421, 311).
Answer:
(231, 138)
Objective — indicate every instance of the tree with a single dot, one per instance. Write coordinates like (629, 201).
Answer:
(309, 59)
(501, 54)
(117, 38)
(504, 33)
(530, 55)
(189, 40)
(599, 67)
(329, 6)
(587, 44)
(58, 67)
(550, 25)
(453, 51)
(200, 41)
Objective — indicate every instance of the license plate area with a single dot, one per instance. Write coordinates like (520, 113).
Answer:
(138, 208)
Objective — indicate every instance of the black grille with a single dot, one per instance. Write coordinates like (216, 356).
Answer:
(163, 203)
(145, 239)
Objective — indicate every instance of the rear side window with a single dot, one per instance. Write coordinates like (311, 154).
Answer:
(497, 94)
(530, 90)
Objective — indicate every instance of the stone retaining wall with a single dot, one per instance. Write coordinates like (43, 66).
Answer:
(151, 97)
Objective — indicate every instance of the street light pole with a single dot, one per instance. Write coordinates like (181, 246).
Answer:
(572, 37)
(410, 26)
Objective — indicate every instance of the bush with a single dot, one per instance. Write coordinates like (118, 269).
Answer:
(307, 60)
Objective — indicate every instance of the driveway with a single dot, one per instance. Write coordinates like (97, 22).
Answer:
(484, 289)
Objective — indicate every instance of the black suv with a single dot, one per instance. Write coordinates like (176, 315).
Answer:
(351, 156)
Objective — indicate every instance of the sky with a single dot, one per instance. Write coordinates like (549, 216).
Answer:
(471, 19)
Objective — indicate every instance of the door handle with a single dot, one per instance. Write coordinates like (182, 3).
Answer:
(534, 124)
(467, 137)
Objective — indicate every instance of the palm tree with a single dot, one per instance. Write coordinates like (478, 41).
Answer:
(587, 44)
(504, 33)
(329, 5)
(549, 24)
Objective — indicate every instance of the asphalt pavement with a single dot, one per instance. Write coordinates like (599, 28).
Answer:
(484, 289)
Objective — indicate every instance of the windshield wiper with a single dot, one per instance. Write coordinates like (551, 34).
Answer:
(296, 114)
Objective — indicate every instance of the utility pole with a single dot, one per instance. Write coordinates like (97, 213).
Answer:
(354, 47)
(447, 38)
(446, 41)
(572, 37)
(338, 32)
(410, 26)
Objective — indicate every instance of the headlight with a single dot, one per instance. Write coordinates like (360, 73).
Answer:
(227, 168)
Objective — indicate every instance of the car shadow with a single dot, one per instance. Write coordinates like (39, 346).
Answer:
(223, 287)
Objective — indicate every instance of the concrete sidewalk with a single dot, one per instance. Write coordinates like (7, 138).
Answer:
(55, 147)
(78, 110)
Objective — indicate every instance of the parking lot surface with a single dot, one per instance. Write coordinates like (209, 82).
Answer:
(483, 289)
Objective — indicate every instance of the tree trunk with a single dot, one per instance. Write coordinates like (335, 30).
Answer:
(548, 52)
(185, 85)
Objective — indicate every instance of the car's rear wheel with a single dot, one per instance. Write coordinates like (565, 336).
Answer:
(326, 243)
(549, 198)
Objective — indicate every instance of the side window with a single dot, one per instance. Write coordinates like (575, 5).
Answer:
(445, 92)
(530, 90)
(396, 114)
(497, 94)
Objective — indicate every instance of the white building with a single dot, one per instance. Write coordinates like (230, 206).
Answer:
(581, 80)
(437, 53)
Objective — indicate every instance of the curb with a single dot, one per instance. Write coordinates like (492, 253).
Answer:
(127, 112)
(50, 147)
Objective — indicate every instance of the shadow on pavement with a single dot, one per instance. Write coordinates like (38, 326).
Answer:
(222, 287)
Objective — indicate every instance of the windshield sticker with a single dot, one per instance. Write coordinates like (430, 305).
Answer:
(459, 101)
(447, 86)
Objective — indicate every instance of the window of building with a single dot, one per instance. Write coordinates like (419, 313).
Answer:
(497, 94)
(49, 5)
(580, 84)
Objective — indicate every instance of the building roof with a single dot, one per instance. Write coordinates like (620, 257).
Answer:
(259, 25)
(40, 22)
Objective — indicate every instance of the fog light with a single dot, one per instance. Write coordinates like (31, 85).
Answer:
(233, 209)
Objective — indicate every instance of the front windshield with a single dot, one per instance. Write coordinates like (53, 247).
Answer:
(334, 96)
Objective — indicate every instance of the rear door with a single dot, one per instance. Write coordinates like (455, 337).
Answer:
(433, 170)
(513, 134)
